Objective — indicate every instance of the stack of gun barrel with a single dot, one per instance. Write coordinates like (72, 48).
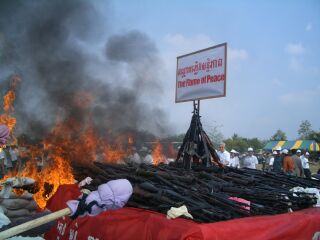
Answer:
(205, 191)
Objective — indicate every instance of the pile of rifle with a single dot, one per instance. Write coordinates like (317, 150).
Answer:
(206, 191)
(196, 148)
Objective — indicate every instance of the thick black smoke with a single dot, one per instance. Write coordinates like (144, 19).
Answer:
(56, 48)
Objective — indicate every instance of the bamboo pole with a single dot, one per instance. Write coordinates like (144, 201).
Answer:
(34, 223)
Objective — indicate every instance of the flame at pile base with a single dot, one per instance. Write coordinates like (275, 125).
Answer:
(157, 154)
(73, 139)
(54, 175)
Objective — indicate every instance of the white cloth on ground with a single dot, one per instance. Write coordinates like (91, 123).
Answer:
(177, 212)
(86, 181)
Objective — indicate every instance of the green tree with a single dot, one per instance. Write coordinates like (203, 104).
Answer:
(305, 129)
(238, 144)
(279, 136)
(314, 136)
(241, 144)
(255, 143)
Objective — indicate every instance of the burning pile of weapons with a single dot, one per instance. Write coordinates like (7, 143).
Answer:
(210, 193)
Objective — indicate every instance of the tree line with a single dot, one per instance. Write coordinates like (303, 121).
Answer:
(241, 144)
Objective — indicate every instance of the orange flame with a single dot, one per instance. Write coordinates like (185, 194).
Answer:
(57, 172)
(70, 141)
(157, 154)
(8, 101)
(85, 146)
(114, 154)
(130, 140)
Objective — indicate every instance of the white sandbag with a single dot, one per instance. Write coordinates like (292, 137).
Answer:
(18, 181)
(14, 203)
(31, 206)
(4, 220)
(8, 184)
(24, 195)
(17, 213)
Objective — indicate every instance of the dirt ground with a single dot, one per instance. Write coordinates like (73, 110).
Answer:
(314, 167)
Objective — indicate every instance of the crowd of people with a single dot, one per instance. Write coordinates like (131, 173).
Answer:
(144, 155)
(237, 160)
(291, 162)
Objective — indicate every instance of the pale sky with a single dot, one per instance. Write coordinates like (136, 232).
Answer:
(273, 77)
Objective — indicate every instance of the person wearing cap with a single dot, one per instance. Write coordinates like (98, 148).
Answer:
(288, 163)
(250, 161)
(263, 159)
(234, 160)
(223, 154)
(297, 162)
(305, 164)
(271, 160)
(278, 159)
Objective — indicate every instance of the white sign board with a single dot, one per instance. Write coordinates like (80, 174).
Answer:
(202, 74)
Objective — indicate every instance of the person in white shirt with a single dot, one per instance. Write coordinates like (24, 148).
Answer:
(148, 159)
(250, 161)
(135, 157)
(305, 165)
(234, 160)
(146, 156)
(271, 160)
(223, 154)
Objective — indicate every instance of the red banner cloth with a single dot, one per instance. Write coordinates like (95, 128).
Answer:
(133, 223)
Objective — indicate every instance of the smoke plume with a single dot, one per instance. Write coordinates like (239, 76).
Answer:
(72, 67)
